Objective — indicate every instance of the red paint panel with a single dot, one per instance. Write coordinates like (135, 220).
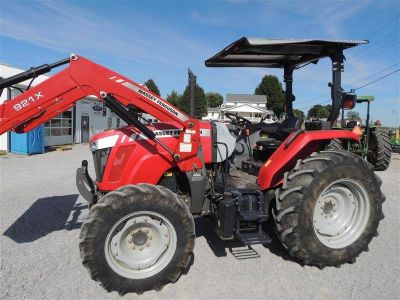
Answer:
(283, 160)
(120, 161)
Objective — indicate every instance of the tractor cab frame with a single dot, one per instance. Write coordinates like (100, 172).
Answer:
(289, 55)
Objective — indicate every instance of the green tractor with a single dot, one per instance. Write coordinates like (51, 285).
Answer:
(395, 140)
(375, 145)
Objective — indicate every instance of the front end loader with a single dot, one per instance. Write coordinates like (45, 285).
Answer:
(153, 180)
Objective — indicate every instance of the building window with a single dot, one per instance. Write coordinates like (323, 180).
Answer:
(60, 125)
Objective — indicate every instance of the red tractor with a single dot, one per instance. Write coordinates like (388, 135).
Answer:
(153, 180)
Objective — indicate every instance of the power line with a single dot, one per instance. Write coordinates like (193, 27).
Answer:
(326, 94)
(367, 47)
(380, 50)
(383, 70)
(380, 28)
(327, 101)
(380, 78)
(375, 43)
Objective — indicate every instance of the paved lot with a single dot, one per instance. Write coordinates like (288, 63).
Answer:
(40, 216)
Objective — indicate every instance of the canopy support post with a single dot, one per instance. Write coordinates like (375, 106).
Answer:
(289, 98)
(336, 86)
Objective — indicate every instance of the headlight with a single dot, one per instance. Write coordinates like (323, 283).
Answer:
(100, 158)
(93, 146)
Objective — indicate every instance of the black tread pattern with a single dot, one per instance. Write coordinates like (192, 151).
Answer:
(381, 150)
(115, 205)
(335, 144)
(294, 206)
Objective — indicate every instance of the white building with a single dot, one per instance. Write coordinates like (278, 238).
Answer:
(251, 107)
(76, 125)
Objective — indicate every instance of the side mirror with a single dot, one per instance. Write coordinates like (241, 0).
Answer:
(349, 100)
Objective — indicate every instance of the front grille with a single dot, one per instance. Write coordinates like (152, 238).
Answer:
(100, 158)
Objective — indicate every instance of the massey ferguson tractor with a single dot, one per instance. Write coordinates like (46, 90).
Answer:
(153, 180)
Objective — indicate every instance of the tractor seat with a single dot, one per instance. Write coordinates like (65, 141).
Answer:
(269, 143)
(280, 132)
(289, 125)
(270, 128)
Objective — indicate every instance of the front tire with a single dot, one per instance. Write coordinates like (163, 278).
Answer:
(137, 238)
(329, 208)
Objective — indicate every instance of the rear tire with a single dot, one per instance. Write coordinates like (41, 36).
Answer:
(137, 238)
(316, 203)
(380, 150)
(335, 144)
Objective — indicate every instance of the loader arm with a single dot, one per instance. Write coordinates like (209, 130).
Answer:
(84, 78)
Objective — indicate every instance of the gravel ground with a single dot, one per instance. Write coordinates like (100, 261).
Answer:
(41, 213)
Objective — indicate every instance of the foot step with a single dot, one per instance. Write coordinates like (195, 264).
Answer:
(253, 238)
(244, 253)
(253, 215)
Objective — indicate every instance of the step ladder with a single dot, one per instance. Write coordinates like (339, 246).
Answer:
(250, 216)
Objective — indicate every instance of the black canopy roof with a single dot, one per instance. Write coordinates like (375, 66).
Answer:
(277, 53)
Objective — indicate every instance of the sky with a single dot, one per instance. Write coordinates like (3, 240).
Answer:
(161, 39)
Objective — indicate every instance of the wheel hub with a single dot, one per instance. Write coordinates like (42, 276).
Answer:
(139, 238)
(143, 244)
(341, 213)
(328, 207)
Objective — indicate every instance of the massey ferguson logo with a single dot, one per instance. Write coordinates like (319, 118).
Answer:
(149, 96)
(26, 102)
(159, 102)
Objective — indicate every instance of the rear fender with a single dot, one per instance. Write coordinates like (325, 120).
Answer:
(286, 156)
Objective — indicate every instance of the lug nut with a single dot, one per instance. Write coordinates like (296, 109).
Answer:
(146, 230)
(141, 248)
(148, 244)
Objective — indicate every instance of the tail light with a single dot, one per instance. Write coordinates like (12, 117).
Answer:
(349, 100)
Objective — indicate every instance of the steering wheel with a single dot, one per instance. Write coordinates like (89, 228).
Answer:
(238, 121)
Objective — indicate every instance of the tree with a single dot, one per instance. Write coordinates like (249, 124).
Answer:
(299, 114)
(151, 85)
(319, 111)
(353, 115)
(214, 99)
(200, 103)
(174, 98)
(271, 86)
